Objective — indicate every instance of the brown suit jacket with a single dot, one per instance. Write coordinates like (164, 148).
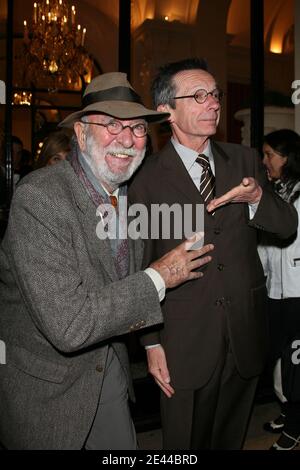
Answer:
(233, 286)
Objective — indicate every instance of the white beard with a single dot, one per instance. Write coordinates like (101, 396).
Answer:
(95, 157)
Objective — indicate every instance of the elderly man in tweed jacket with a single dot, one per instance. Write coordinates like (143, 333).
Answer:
(68, 296)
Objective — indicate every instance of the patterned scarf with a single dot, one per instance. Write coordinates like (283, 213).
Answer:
(120, 248)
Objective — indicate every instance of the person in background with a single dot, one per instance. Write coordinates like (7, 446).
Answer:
(56, 147)
(281, 262)
(16, 155)
(209, 352)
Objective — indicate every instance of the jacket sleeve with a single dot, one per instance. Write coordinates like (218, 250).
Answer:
(64, 307)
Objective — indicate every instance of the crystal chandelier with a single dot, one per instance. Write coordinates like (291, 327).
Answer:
(22, 98)
(54, 47)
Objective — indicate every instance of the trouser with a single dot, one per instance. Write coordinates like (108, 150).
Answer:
(284, 320)
(284, 323)
(213, 417)
(112, 428)
(292, 420)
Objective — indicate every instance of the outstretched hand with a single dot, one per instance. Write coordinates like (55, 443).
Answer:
(248, 191)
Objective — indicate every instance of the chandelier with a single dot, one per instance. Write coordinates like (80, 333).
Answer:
(22, 98)
(55, 56)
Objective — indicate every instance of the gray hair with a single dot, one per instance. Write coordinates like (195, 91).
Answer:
(163, 88)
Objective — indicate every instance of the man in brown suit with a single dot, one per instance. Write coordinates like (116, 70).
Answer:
(207, 355)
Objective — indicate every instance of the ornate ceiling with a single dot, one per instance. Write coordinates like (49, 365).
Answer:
(102, 17)
(279, 24)
(184, 11)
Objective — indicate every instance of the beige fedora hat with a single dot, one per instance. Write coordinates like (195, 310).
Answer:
(112, 94)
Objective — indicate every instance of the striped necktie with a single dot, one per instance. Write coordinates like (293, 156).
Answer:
(207, 182)
(114, 201)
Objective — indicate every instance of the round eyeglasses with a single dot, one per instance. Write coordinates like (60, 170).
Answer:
(201, 95)
(116, 127)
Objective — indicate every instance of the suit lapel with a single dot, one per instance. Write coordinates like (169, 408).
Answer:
(100, 249)
(135, 255)
(224, 173)
(177, 175)
(223, 169)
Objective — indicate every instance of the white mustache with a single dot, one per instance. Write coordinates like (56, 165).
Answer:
(130, 152)
(209, 118)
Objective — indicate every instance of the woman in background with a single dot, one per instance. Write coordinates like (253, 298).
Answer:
(281, 261)
(55, 148)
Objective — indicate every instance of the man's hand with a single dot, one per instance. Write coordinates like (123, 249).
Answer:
(248, 191)
(177, 265)
(157, 365)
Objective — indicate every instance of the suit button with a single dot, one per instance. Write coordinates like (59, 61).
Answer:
(221, 266)
(134, 327)
(220, 302)
(99, 368)
(217, 231)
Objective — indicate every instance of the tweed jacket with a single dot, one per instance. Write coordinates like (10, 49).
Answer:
(62, 304)
(228, 302)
